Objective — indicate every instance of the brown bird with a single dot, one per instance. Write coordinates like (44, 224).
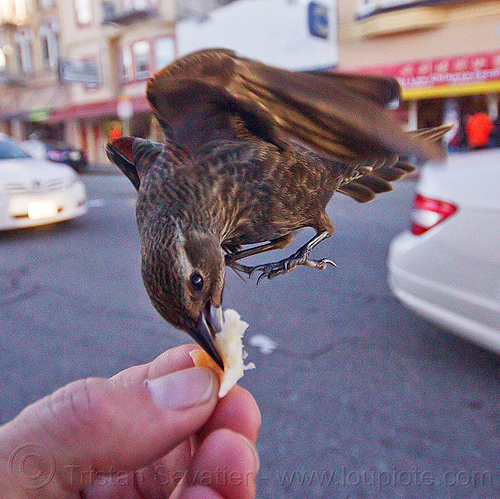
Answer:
(252, 153)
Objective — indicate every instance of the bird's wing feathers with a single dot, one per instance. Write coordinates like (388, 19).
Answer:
(202, 91)
(367, 180)
(339, 115)
(381, 89)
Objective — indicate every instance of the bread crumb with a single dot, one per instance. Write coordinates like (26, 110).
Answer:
(229, 344)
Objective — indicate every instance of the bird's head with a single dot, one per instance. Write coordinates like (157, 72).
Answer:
(183, 272)
(182, 266)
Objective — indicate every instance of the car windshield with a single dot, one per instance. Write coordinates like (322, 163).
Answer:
(9, 150)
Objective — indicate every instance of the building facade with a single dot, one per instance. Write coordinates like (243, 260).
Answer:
(445, 54)
(29, 54)
(108, 51)
(76, 70)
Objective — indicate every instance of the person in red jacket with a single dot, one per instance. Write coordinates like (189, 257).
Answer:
(478, 129)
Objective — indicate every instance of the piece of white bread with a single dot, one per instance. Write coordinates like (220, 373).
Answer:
(229, 344)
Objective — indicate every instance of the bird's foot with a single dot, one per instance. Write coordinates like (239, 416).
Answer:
(281, 267)
(275, 269)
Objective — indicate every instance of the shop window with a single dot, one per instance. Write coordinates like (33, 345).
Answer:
(141, 53)
(22, 47)
(83, 9)
(49, 43)
(164, 50)
(126, 64)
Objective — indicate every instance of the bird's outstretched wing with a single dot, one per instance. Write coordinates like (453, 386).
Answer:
(338, 115)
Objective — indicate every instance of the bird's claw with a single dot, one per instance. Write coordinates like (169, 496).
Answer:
(239, 267)
(275, 269)
(269, 270)
(320, 264)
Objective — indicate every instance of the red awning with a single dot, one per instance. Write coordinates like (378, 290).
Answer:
(452, 76)
(102, 109)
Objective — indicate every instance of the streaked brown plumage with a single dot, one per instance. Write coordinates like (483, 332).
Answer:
(252, 153)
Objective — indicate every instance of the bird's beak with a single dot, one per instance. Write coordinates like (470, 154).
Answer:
(209, 324)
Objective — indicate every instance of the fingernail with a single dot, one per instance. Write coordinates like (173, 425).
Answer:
(182, 389)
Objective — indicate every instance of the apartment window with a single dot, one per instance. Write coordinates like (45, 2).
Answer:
(83, 9)
(13, 11)
(22, 47)
(366, 7)
(141, 53)
(395, 3)
(91, 65)
(49, 43)
(20, 9)
(46, 4)
(127, 65)
(137, 4)
(164, 50)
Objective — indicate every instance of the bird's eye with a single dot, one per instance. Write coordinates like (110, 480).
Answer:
(196, 281)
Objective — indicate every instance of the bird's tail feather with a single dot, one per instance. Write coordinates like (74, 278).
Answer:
(365, 187)
(432, 134)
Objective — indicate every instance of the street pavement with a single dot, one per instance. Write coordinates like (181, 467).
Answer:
(360, 399)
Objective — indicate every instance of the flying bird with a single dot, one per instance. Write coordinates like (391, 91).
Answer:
(251, 154)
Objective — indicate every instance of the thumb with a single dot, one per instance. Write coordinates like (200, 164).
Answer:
(103, 425)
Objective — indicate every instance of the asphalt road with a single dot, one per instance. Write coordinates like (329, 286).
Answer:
(361, 399)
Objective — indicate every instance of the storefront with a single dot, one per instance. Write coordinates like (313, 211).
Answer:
(90, 126)
(25, 112)
(446, 90)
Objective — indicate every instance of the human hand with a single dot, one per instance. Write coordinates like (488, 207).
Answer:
(152, 431)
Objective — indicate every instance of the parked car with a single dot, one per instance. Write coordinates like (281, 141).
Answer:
(59, 152)
(447, 268)
(35, 191)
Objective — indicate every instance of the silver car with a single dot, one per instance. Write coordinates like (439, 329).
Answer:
(447, 268)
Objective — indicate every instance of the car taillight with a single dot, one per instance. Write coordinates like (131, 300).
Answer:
(428, 213)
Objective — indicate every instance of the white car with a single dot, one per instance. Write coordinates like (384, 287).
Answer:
(36, 192)
(447, 268)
